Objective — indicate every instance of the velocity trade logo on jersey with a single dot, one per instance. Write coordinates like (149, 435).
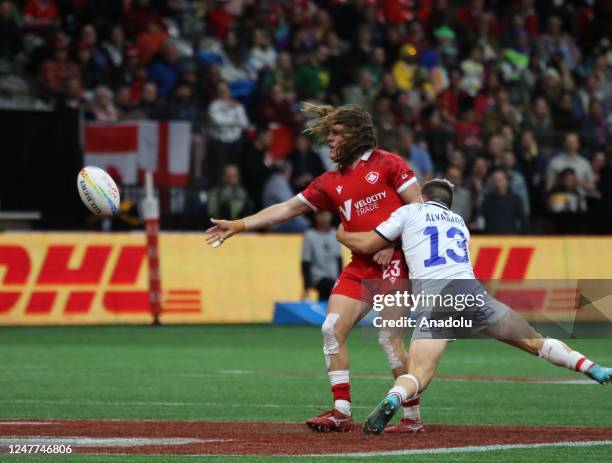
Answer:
(363, 206)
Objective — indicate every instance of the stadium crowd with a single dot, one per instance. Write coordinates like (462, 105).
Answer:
(509, 100)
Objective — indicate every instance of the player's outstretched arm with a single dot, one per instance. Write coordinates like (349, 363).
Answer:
(361, 242)
(273, 215)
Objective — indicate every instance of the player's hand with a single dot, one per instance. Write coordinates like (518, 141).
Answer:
(340, 233)
(222, 230)
(384, 256)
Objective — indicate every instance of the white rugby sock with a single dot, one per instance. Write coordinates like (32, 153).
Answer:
(400, 392)
(561, 355)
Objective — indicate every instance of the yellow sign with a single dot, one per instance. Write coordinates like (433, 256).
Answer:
(82, 278)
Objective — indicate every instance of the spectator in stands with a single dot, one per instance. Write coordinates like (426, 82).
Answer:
(357, 56)
(312, 78)
(376, 65)
(462, 201)
(166, 69)
(564, 118)
(553, 84)
(150, 106)
(496, 146)
(282, 74)
(39, 16)
(467, 132)
(91, 72)
(114, 47)
(262, 54)
(11, 38)
(306, 165)
(182, 107)
(449, 100)
(417, 157)
(439, 140)
(502, 210)
(384, 122)
(103, 108)
(596, 130)
(139, 18)
(603, 73)
(255, 165)
(516, 180)
(321, 257)
(229, 200)
(277, 108)
(227, 122)
(567, 204)
(235, 68)
(56, 70)
(501, 114)
(555, 42)
(539, 121)
(363, 92)
(476, 187)
(570, 157)
(277, 190)
(89, 39)
(405, 67)
(589, 92)
(72, 98)
(125, 106)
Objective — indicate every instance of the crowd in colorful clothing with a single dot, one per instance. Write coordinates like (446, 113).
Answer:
(510, 100)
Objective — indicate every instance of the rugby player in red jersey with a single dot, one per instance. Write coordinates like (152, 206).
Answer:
(366, 186)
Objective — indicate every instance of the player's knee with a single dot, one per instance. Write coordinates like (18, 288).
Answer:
(393, 349)
(332, 339)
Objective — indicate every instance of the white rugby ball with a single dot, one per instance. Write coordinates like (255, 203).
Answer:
(98, 191)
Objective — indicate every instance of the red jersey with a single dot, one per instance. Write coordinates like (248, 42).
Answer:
(364, 196)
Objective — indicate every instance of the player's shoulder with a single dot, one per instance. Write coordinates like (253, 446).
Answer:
(408, 210)
(386, 157)
(324, 179)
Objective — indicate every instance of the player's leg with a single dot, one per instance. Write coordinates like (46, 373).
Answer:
(391, 341)
(342, 314)
(513, 329)
(423, 358)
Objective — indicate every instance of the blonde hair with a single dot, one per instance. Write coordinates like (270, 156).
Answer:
(357, 129)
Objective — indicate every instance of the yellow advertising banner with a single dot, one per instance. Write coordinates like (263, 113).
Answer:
(89, 278)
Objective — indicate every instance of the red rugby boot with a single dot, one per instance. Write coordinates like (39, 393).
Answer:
(406, 426)
(331, 421)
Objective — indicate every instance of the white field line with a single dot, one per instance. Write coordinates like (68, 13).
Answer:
(431, 451)
(103, 441)
(470, 448)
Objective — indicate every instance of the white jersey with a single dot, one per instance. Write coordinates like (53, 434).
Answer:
(434, 241)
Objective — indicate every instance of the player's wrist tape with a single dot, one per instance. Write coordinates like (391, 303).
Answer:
(243, 225)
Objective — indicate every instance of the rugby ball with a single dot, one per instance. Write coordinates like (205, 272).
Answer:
(98, 191)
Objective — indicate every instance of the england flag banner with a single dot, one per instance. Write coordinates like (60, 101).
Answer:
(126, 149)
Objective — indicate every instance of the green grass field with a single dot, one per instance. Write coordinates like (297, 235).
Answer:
(270, 373)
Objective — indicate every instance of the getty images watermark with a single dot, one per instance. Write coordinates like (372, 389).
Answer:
(407, 301)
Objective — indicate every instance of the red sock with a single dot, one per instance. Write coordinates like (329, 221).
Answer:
(412, 402)
(411, 408)
(342, 391)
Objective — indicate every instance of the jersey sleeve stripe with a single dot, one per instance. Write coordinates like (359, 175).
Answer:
(405, 185)
(308, 203)
(382, 236)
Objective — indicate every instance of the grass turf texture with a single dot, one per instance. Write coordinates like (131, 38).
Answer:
(270, 373)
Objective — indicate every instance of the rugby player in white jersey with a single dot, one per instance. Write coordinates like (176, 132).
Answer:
(435, 244)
